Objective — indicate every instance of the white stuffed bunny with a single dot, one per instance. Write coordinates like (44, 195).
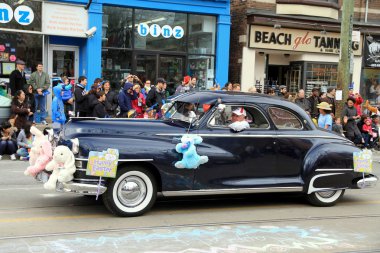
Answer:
(62, 165)
(36, 149)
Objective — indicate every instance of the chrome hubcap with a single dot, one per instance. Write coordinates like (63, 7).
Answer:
(326, 194)
(132, 191)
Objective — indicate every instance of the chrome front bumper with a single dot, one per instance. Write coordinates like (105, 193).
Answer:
(368, 182)
(79, 188)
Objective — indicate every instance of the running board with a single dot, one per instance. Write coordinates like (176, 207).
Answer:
(231, 191)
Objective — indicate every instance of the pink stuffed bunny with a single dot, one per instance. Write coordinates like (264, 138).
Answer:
(43, 158)
(36, 149)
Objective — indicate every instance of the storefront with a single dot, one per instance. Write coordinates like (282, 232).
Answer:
(371, 70)
(112, 39)
(299, 59)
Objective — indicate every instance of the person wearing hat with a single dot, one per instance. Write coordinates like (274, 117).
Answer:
(283, 91)
(238, 120)
(155, 96)
(41, 83)
(350, 115)
(330, 99)
(314, 101)
(125, 100)
(325, 120)
(17, 80)
(185, 86)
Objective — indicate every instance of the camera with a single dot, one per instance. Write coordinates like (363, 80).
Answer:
(91, 32)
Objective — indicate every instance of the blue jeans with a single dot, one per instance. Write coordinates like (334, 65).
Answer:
(7, 147)
(40, 105)
(22, 152)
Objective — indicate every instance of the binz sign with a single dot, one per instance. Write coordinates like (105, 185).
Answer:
(22, 14)
(155, 31)
(297, 40)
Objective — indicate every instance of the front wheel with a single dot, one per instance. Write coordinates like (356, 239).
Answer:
(325, 198)
(132, 193)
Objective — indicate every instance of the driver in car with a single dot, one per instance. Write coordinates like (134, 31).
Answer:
(239, 122)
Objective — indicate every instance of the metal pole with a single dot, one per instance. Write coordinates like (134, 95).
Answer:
(345, 52)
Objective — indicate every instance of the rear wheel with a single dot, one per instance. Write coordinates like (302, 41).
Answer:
(325, 198)
(132, 193)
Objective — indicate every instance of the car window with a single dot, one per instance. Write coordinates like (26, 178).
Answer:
(284, 119)
(222, 118)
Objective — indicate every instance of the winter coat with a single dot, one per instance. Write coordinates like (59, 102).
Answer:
(67, 93)
(304, 103)
(111, 103)
(92, 100)
(183, 89)
(358, 104)
(57, 107)
(99, 110)
(314, 111)
(20, 111)
(351, 128)
(17, 81)
(125, 99)
(137, 107)
(80, 99)
(154, 98)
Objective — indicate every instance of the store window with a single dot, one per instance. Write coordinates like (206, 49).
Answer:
(30, 22)
(202, 34)
(371, 88)
(202, 67)
(161, 31)
(117, 27)
(116, 65)
(320, 76)
(24, 46)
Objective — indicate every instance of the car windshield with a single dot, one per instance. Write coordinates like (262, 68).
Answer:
(184, 111)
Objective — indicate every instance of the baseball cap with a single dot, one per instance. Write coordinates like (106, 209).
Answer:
(239, 111)
(161, 80)
(186, 79)
(282, 86)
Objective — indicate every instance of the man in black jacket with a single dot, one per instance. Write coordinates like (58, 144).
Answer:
(155, 96)
(80, 95)
(17, 79)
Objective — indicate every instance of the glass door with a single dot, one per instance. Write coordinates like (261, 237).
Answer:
(146, 67)
(171, 68)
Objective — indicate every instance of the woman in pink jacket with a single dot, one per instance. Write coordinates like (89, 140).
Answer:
(139, 103)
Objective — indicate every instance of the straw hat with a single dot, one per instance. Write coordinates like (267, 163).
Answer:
(324, 106)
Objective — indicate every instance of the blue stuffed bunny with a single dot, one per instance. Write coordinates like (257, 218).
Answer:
(190, 159)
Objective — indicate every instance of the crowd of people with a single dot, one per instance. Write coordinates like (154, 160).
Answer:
(136, 99)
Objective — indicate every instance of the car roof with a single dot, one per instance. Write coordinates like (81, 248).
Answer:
(211, 97)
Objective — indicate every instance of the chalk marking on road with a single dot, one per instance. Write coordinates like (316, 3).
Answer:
(194, 225)
(86, 216)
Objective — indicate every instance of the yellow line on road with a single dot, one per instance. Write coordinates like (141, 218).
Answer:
(52, 218)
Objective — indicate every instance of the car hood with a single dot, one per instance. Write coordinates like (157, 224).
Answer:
(124, 127)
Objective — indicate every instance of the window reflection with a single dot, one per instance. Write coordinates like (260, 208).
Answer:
(202, 34)
(116, 65)
(117, 27)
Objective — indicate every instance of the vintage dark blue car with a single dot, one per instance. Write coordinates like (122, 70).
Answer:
(281, 151)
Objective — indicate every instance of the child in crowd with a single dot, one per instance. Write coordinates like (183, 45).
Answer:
(58, 110)
(24, 142)
(100, 106)
(367, 132)
(67, 97)
(8, 141)
(337, 126)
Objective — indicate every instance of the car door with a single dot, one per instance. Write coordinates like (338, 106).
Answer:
(243, 159)
(292, 144)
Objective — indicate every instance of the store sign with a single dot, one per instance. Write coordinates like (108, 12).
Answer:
(372, 53)
(155, 31)
(23, 15)
(64, 20)
(266, 37)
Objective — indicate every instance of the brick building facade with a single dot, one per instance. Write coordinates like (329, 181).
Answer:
(265, 62)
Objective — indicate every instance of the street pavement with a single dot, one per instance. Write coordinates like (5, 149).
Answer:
(36, 220)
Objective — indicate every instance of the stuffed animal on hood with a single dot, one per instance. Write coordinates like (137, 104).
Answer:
(42, 153)
(190, 159)
(36, 149)
(62, 165)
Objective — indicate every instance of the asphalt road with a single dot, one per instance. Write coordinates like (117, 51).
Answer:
(35, 220)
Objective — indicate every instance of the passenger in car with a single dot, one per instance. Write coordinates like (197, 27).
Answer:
(239, 122)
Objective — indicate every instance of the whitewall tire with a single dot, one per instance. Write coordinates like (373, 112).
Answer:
(132, 193)
(325, 198)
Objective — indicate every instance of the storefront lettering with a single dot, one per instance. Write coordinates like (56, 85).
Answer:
(305, 40)
(155, 31)
(272, 38)
(23, 14)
